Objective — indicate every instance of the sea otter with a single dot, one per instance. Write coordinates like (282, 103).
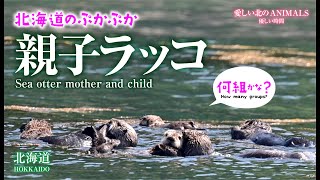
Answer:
(183, 143)
(270, 139)
(171, 144)
(261, 133)
(41, 129)
(119, 129)
(156, 121)
(151, 121)
(172, 138)
(115, 129)
(76, 139)
(248, 128)
(35, 129)
(181, 125)
(267, 139)
(165, 150)
(195, 143)
(263, 153)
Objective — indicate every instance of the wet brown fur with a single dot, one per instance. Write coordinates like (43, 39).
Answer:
(35, 129)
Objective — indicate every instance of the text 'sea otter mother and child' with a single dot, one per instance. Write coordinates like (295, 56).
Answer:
(85, 84)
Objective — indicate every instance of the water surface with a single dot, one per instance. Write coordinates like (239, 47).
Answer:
(176, 95)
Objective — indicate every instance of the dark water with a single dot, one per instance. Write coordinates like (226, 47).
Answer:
(183, 94)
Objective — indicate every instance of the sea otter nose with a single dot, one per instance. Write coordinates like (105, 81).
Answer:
(170, 138)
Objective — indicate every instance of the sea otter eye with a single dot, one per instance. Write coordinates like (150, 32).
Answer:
(166, 134)
(179, 137)
(87, 138)
(118, 124)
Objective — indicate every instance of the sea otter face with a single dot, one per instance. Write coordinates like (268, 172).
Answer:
(151, 121)
(172, 138)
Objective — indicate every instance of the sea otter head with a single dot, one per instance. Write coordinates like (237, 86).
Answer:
(172, 138)
(35, 129)
(119, 129)
(151, 121)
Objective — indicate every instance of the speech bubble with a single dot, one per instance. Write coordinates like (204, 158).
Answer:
(243, 87)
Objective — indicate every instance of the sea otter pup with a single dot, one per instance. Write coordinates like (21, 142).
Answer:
(248, 128)
(119, 129)
(101, 143)
(183, 143)
(156, 121)
(35, 129)
(263, 153)
(164, 150)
